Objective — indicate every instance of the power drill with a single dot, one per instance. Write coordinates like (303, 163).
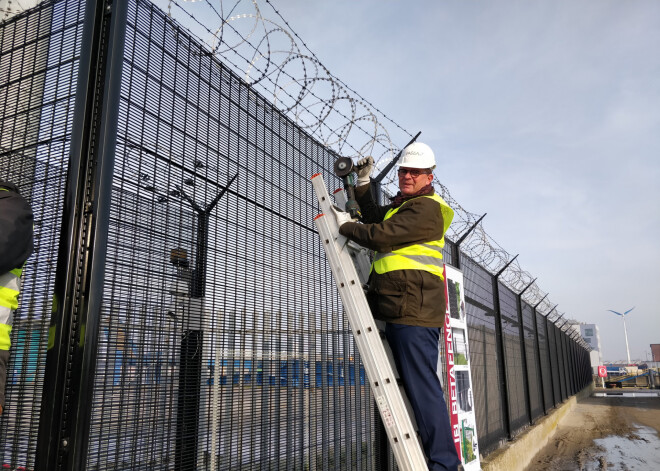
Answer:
(344, 168)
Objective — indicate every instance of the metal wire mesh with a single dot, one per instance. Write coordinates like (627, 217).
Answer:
(260, 44)
(554, 368)
(486, 381)
(533, 372)
(571, 362)
(38, 63)
(222, 341)
(561, 363)
(563, 367)
(264, 345)
(546, 368)
(515, 367)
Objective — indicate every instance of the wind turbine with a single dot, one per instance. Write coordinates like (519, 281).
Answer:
(625, 332)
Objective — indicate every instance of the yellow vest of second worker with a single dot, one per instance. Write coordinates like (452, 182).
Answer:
(426, 256)
(10, 285)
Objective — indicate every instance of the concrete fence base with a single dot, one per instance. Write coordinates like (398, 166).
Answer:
(518, 454)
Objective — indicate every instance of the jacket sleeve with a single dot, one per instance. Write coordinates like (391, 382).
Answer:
(371, 211)
(16, 222)
(416, 222)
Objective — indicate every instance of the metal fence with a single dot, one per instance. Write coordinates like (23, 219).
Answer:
(522, 364)
(178, 311)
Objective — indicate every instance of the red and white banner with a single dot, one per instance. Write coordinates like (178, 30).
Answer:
(451, 374)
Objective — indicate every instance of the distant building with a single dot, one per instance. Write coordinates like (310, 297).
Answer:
(589, 333)
(655, 351)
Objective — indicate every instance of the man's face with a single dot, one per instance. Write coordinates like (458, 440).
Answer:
(411, 180)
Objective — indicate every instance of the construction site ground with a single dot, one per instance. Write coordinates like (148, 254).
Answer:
(619, 431)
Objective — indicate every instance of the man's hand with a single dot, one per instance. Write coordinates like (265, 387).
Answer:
(340, 216)
(364, 167)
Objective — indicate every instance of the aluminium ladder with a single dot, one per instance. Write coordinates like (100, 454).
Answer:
(346, 259)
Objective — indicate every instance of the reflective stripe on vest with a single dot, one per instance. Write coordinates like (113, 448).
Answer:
(426, 256)
(10, 285)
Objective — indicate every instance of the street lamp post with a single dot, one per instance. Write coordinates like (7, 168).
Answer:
(625, 331)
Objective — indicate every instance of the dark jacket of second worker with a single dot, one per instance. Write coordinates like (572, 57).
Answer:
(411, 297)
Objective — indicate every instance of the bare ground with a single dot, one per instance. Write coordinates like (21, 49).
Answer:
(573, 448)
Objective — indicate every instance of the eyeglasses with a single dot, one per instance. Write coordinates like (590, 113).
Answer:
(414, 172)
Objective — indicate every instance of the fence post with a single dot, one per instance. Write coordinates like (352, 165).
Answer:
(456, 246)
(499, 340)
(73, 335)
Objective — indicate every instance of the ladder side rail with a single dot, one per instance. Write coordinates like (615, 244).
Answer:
(360, 254)
(362, 262)
(398, 425)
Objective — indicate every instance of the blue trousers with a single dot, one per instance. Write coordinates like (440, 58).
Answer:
(415, 352)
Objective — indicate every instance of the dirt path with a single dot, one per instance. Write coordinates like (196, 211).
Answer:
(632, 423)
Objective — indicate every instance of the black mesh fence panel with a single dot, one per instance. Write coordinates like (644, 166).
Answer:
(575, 366)
(577, 386)
(222, 340)
(533, 373)
(554, 364)
(580, 377)
(558, 360)
(513, 359)
(578, 367)
(546, 367)
(446, 252)
(486, 382)
(478, 283)
(568, 365)
(38, 65)
(251, 366)
(561, 363)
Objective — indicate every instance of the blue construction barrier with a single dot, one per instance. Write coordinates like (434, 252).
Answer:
(285, 373)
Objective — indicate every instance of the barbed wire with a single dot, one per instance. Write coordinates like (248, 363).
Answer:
(297, 84)
(273, 58)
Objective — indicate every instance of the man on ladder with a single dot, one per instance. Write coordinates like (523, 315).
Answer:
(406, 286)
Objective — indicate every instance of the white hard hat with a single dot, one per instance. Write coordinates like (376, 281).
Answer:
(417, 155)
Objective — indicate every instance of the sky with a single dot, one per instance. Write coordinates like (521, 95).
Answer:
(543, 114)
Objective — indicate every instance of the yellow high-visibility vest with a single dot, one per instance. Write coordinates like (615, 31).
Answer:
(426, 256)
(10, 285)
